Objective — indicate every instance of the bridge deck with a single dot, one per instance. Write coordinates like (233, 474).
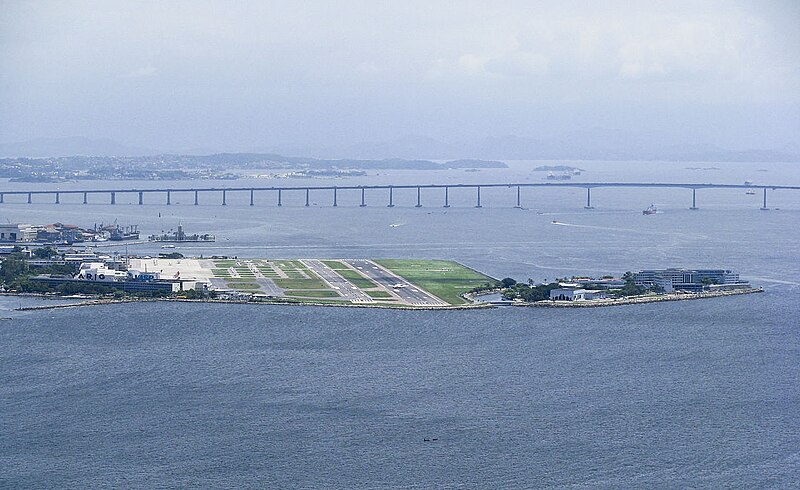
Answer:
(582, 185)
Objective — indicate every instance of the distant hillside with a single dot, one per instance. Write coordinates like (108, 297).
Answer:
(579, 145)
(62, 147)
(217, 166)
(416, 152)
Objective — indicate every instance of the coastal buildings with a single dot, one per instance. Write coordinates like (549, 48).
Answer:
(16, 232)
(690, 280)
(60, 233)
(576, 294)
(131, 280)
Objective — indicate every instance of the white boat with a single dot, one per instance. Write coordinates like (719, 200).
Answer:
(748, 182)
(650, 210)
(750, 192)
(167, 246)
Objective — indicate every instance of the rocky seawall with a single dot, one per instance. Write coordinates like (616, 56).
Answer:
(656, 298)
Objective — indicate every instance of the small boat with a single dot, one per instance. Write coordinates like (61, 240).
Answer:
(650, 210)
(750, 192)
(167, 246)
(748, 182)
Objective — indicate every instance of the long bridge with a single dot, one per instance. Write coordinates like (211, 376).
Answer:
(278, 192)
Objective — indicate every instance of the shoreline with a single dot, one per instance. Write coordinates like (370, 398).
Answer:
(635, 300)
(474, 305)
(102, 301)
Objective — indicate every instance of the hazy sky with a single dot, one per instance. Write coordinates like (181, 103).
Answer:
(238, 75)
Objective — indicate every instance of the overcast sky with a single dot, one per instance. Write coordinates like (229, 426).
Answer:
(240, 75)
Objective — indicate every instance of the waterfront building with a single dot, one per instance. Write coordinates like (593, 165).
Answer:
(691, 280)
(131, 280)
(11, 232)
(576, 294)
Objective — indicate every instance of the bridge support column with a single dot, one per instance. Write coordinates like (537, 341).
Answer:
(446, 197)
(519, 204)
(224, 197)
(113, 198)
(391, 197)
(478, 204)
(307, 193)
(195, 198)
(30, 200)
(85, 198)
(251, 197)
(280, 203)
(764, 206)
(334, 197)
(169, 198)
(694, 200)
(141, 198)
(588, 199)
(2, 198)
(419, 198)
(363, 198)
(58, 198)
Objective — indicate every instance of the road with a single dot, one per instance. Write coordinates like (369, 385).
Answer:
(410, 294)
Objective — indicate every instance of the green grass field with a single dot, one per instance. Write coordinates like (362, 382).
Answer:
(300, 284)
(325, 293)
(335, 265)
(356, 278)
(443, 278)
(240, 286)
(380, 295)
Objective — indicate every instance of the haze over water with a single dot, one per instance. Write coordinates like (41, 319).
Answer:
(695, 393)
(173, 395)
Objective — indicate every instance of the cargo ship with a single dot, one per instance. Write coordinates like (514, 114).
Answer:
(119, 233)
(181, 236)
(115, 232)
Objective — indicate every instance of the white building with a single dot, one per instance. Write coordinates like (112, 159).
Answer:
(695, 280)
(571, 294)
(17, 233)
(97, 271)
(566, 294)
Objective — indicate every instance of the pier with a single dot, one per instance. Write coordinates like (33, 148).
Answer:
(164, 195)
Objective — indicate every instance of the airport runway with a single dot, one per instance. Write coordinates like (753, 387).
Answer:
(269, 287)
(218, 283)
(410, 294)
(341, 285)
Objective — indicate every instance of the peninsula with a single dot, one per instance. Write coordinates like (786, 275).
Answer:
(383, 283)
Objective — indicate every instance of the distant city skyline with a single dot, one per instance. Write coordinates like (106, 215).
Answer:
(324, 77)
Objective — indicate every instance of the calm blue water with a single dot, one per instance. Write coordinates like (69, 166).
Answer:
(699, 393)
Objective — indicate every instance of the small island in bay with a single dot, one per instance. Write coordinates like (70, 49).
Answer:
(52, 271)
(559, 168)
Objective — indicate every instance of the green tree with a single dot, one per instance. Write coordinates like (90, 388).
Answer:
(508, 282)
(45, 252)
(13, 267)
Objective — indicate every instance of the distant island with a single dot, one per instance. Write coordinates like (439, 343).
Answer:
(557, 168)
(225, 166)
